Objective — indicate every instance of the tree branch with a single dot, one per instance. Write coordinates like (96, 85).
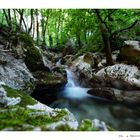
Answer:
(109, 14)
(121, 30)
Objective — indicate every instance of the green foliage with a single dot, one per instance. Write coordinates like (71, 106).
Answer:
(79, 25)
(87, 49)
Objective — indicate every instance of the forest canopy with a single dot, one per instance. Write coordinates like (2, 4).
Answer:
(84, 28)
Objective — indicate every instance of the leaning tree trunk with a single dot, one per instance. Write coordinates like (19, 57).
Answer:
(105, 36)
(106, 41)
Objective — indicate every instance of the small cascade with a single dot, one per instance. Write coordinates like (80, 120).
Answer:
(70, 79)
(58, 63)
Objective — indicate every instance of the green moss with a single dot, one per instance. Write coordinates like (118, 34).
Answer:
(51, 79)
(33, 55)
(16, 117)
(39, 120)
(59, 114)
(13, 117)
(88, 58)
(25, 98)
(86, 125)
(26, 39)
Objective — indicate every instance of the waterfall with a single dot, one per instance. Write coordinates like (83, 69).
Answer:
(58, 63)
(70, 79)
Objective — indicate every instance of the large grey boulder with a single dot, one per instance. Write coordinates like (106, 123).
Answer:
(120, 76)
(14, 73)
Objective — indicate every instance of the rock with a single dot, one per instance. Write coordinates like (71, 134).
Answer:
(15, 74)
(87, 64)
(130, 52)
(92, 125)
(49, 79)
(7, 101)
(68, 49)
(105, 93)
(115, 55)
(32, 54)
(88, 58)
(112, 94)
(68, 59)
(100, 125)
(67, 122)
(40, 106)
(82, 66)
(120, 76)
(47, 85)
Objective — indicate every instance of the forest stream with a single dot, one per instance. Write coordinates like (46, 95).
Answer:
(122, 117)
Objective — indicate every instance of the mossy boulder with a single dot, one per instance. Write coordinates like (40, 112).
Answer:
(49, 79)
(88, 58)
(33, 56)
(87, 125)
(25, 98)
(130, 53)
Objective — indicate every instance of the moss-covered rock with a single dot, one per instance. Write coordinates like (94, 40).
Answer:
(49, 79)
(33, 57)
(88, 58)
(130, 53)
(87, 125)
(25, 98)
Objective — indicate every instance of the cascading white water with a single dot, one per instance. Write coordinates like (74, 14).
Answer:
(72, 88)
(58, 63)
(70, 79)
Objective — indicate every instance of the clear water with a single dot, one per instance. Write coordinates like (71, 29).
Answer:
(83, 105)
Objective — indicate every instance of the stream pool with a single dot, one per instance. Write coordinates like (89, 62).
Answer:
(123, 117)
(119, 116)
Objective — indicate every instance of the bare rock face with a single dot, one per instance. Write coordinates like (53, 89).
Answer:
(15, 74)
(120, 76)
(119, 82)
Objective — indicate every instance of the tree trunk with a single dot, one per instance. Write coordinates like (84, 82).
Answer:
(78, 38)
(32, 20)
(37, 27)
(44, 27)
(58, 29)
(105, 37)
(21, 12)
(8, 18)
(106, 41)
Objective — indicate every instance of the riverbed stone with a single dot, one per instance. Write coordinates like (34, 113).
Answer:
(112, 94)
(120, 76)
(130, 52)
